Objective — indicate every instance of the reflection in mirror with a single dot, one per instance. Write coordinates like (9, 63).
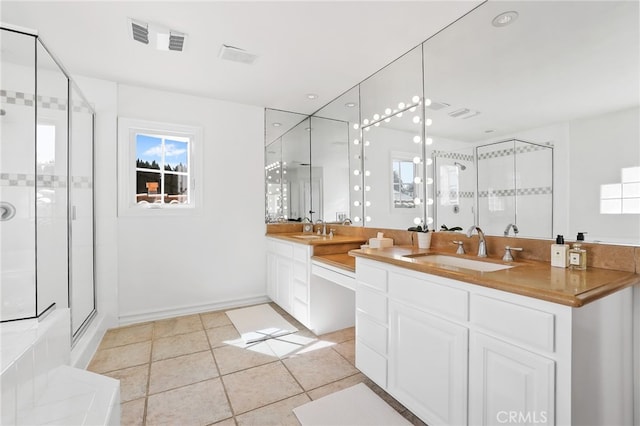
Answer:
(392, 137)
(273, 181)
(572, 83)
(297, 187)
(330, 169)
(455, 185)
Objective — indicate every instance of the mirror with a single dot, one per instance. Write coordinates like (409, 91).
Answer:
(571, 83)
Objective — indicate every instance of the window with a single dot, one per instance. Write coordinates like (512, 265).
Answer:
(623, 197)
(404, 174)
(158, 163)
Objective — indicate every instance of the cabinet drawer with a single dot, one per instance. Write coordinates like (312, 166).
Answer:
(515, 322)
(371, 363)
(280, 248)
(300, 291)
(427, 295)
(301, 252)
(372, 276)
(300, 271)
(371, 333)
(371, 303)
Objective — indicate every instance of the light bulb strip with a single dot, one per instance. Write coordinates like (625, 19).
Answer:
(400, 111)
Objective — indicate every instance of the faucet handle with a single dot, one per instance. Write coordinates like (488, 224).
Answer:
(508, 257)
(460, 246)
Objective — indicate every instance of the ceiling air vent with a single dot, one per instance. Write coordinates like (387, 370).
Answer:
(437, 105)
(176, 41)
(235, 54)
(139, 31)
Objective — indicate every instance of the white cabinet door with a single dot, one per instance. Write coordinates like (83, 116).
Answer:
(284, 282)
(508, 384)
(428, 365)
(271, 276)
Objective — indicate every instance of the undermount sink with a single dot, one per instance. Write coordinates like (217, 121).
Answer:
(441, 260)
(308, 237)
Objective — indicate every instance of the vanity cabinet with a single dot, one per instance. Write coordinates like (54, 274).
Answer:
(458, 353)
(288, 266)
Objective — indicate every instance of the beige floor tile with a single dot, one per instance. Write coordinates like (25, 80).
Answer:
(215, 319)
(127, 335)
(291, 344)
(120, 357)
(218, 335)
(340, 335)
(180, 371)
(347, 350)
(182, 344)
(178, 325)
(198, 404)
(317, 368)
(276, 414)
(337, 386)
(132, 413)
(227, 422)
(259, 386)
(231, 358)
(133, 382)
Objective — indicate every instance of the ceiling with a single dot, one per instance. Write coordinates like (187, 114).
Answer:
(303, 47)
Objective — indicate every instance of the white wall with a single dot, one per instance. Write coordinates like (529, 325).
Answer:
(216, 257)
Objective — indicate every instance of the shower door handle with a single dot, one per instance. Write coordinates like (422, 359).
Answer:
(73, 212)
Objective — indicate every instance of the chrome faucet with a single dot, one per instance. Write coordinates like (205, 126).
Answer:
(347, 221)
(324, 226)
(509, 226)
(482, 245)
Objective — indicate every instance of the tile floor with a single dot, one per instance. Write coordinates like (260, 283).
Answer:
(195, 370)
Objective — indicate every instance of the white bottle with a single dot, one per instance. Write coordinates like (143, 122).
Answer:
(559, 253)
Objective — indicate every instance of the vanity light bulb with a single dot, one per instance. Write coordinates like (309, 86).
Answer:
(356, 172)
(401, 105)
(367, 173)
(429, 161)
(367, 188)
(399, 115)
(412, 109)
(284, 172)
(278, 189)
(417, 201)
(355, 126)
(417, 179)
(417, 139)
(356, 219)
(284, 189)
(427, 101)
(368, 218)
(269, 177)
(417, 220)
(356, 203)
(365, 121)
(388, 119)
(430, 201)
(416, 119)
(356, 187)
(429, 220)
(428, 141)
(285, 207)
(416, 160)
(377, 124)
(428, 122)
(284, 164)
(356, 142)
(429, 181)
(368, 204)
(415, 99)
(376, 116)
(366, 129)
(367, 143)
(387, 111)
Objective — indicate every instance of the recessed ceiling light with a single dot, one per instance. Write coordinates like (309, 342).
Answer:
(276, 124)
(311, 96)
(504, 19)
(350, 104)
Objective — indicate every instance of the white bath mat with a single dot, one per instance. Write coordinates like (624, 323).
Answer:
(354, 406)
(260, 322)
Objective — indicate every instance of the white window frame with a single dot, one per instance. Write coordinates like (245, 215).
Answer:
(128, 128)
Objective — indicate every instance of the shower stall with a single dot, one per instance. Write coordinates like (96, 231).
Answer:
(46, 186)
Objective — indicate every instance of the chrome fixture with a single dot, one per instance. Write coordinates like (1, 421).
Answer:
(509, 226)
(460, 244)
(7, 211)
(462, 166)
(347, 221)
(324, 226)
(482, 245)
(508, 257)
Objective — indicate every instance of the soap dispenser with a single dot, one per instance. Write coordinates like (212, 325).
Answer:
(559, 253)
(578, 257)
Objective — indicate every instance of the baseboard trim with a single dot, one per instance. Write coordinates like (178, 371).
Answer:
(140, 317)
(87, 344)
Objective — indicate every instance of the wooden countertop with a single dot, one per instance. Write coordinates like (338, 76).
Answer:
(339, 260)
(300, 238)
(528, 278)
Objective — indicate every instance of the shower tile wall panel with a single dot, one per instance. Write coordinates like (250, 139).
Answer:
(496, 204)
